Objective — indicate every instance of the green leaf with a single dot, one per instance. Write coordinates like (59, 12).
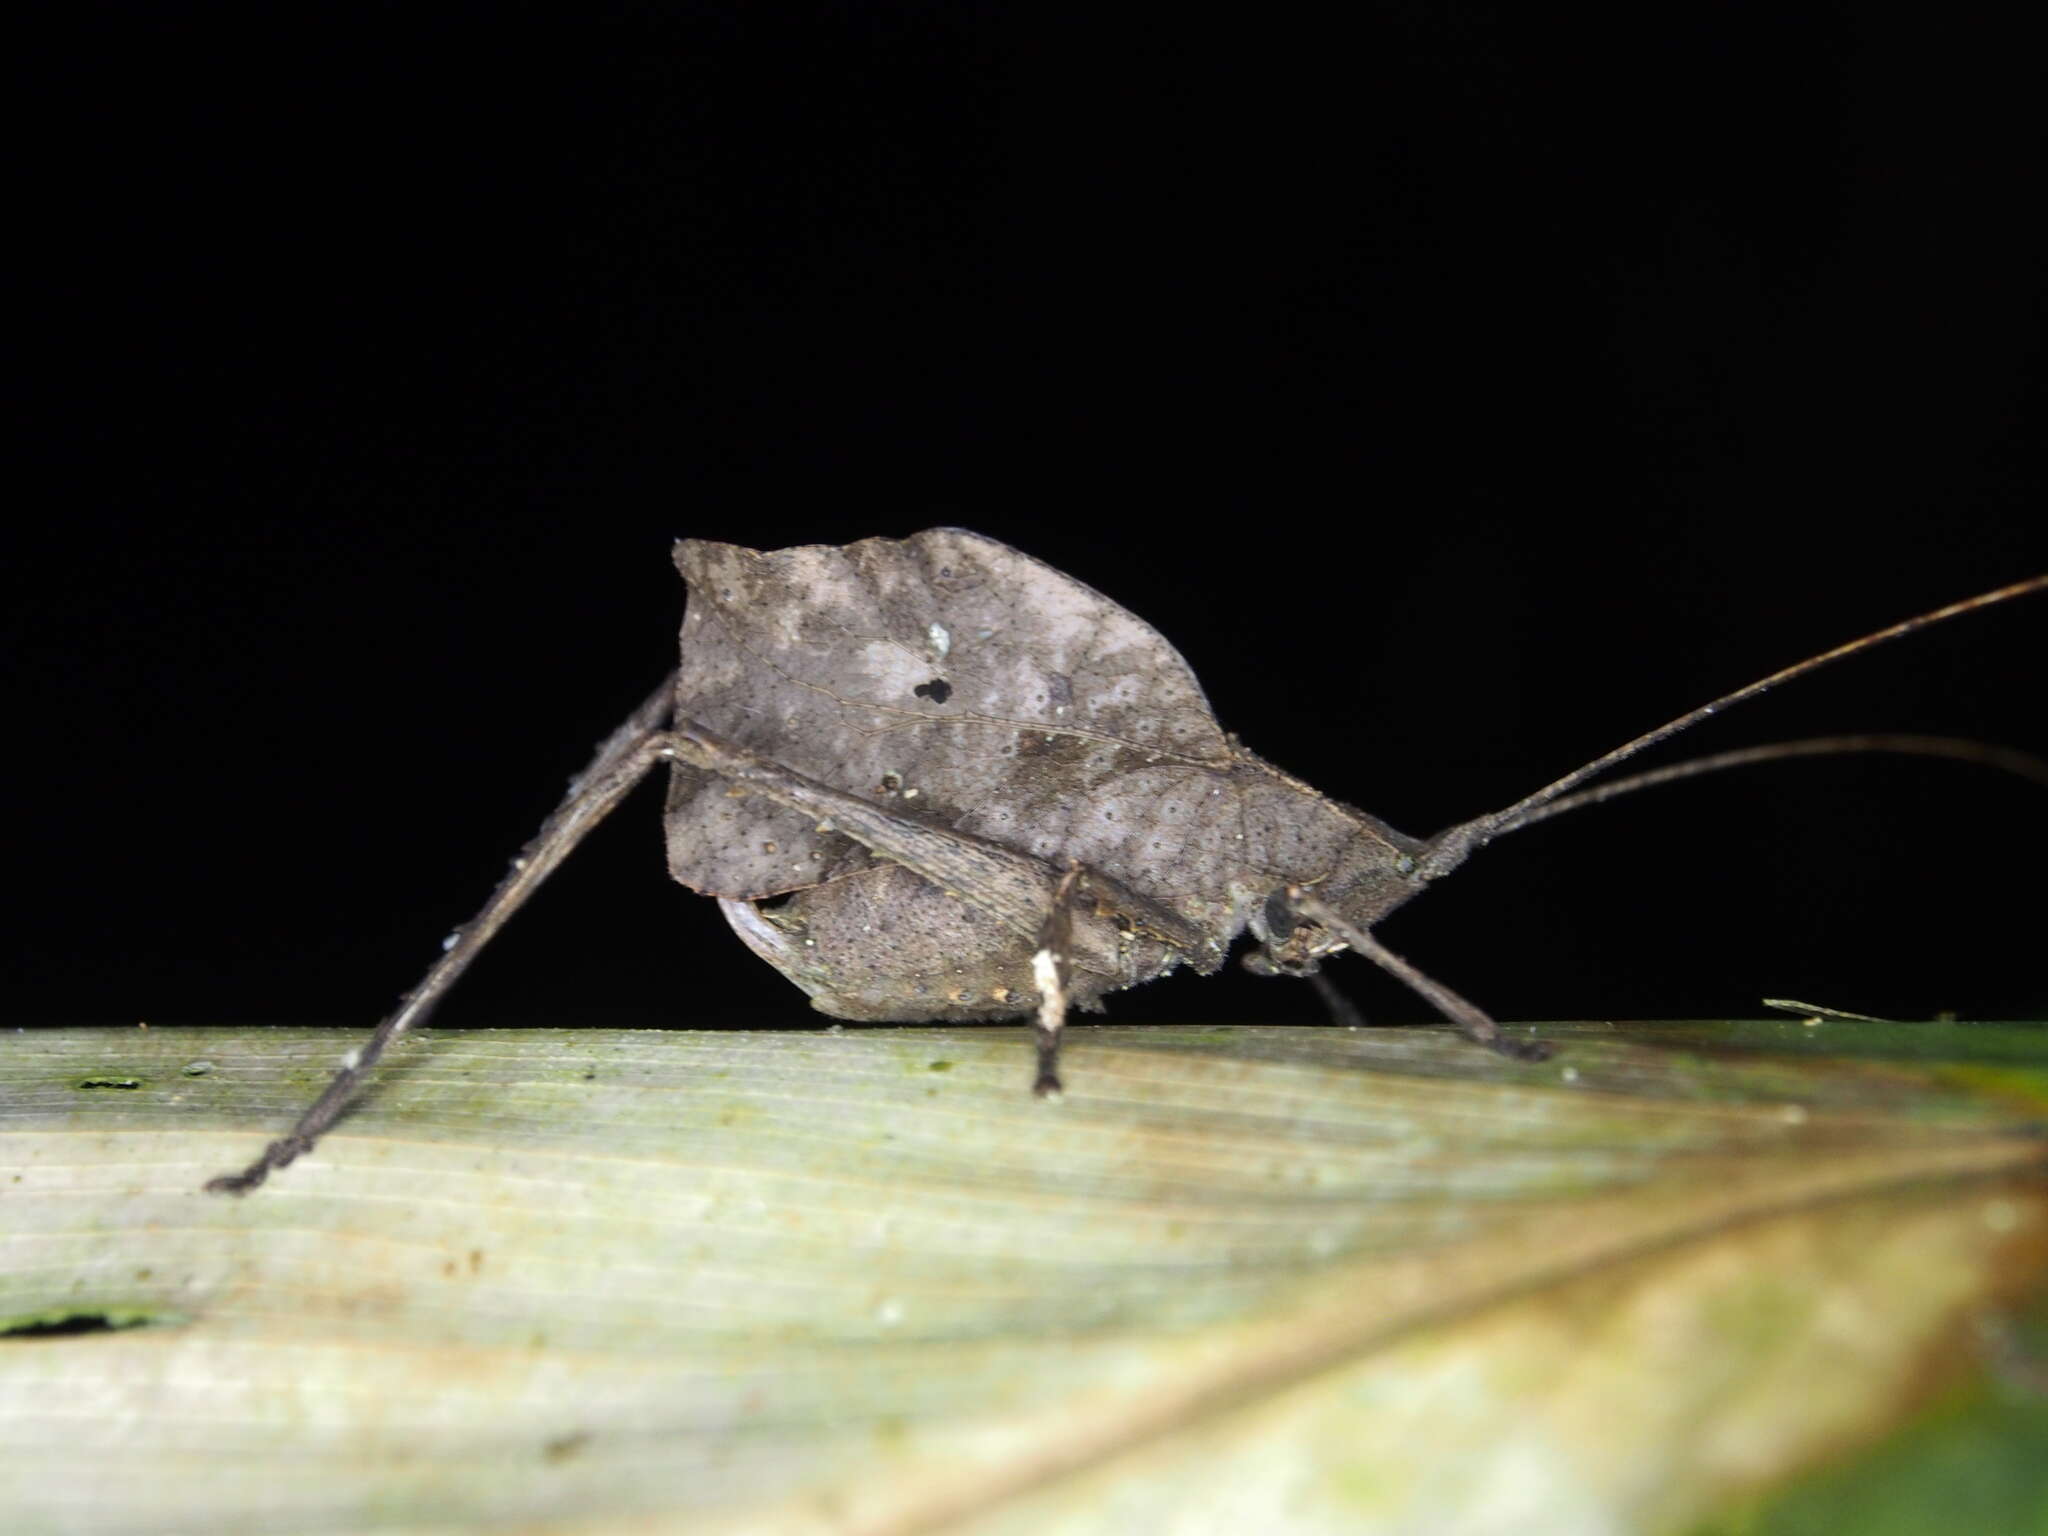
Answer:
(1296, 1280)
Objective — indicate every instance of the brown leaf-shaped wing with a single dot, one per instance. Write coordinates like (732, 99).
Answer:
(946, 675)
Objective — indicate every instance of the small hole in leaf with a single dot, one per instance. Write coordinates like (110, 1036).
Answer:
(938, 690)
(110, 1082)
(64, 1323)
(562, 1447)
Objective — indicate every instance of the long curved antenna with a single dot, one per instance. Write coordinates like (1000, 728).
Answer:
(1455, 843)
(1956, 749)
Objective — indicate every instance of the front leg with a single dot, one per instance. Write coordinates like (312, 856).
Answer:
(1477, 1025)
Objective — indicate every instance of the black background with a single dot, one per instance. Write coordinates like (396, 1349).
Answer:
(1462, 393)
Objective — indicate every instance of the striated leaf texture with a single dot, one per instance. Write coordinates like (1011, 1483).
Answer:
(1289, 1280)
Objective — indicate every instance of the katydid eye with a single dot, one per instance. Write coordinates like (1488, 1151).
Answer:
(1281, 920)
